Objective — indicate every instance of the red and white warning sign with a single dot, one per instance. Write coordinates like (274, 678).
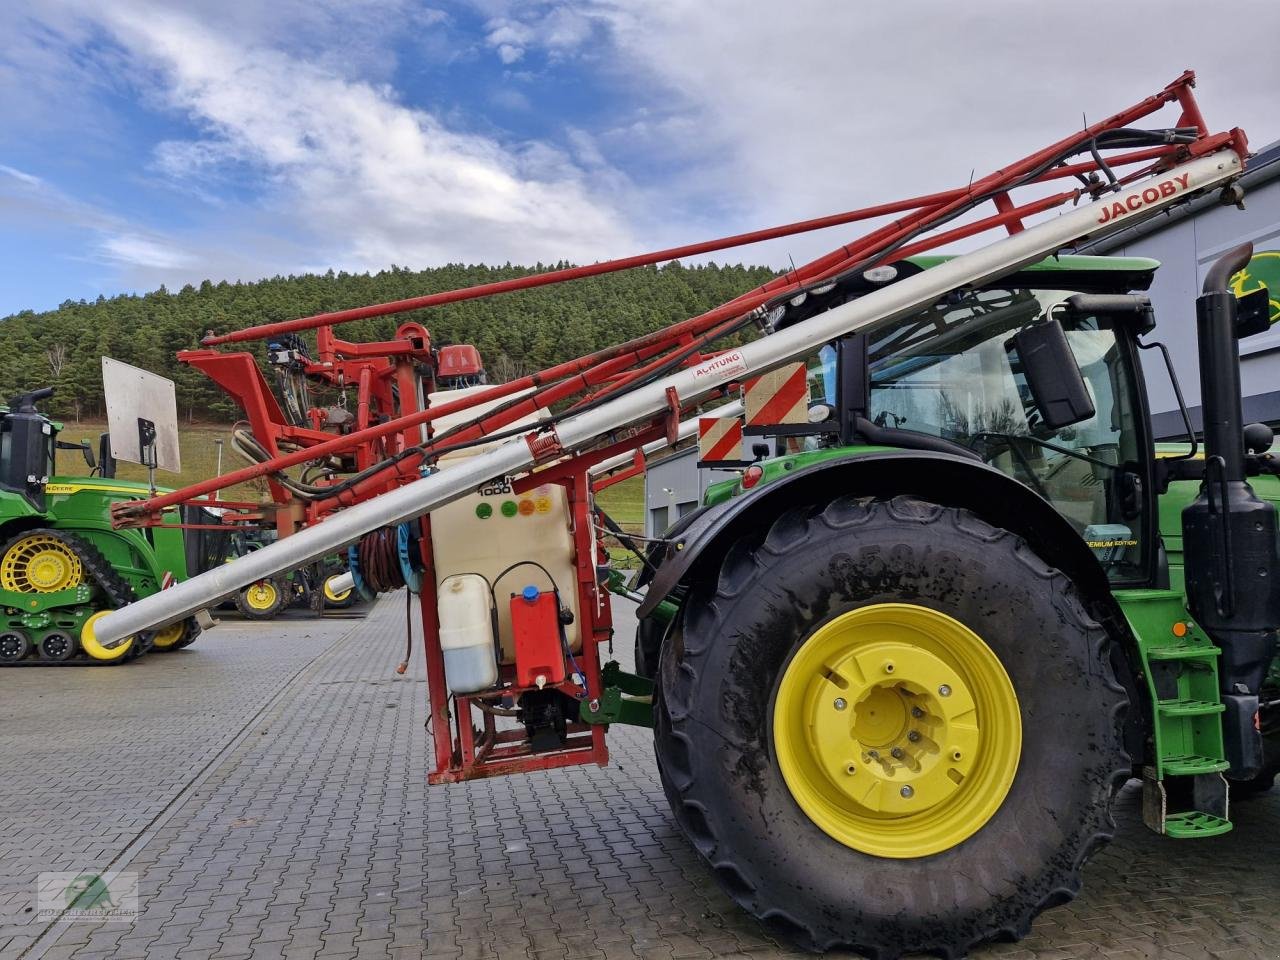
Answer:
(719, 439)
(779, 396)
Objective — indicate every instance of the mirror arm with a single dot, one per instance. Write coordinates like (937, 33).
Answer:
(1165, 468)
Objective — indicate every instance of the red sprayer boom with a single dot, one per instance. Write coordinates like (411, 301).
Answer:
(436, 459)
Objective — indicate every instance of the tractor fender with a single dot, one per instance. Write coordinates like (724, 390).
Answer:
(698, 544)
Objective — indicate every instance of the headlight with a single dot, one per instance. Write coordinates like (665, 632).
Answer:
(880, 274)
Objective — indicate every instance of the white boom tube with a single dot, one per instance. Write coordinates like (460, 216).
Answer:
(1115, 211)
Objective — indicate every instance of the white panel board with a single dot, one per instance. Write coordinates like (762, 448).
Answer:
(132, 393)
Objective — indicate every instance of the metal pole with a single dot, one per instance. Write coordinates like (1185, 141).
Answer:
(686, 430)
(1113, 212)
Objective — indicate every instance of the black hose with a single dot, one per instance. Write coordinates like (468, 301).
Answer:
(1123, 138)
(621, 536)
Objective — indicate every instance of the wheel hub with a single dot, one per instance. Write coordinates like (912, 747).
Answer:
(40, 564)
(13, 646)
(261, 595)
(897, 730)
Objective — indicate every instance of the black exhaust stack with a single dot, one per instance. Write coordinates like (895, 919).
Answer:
(1229, 535)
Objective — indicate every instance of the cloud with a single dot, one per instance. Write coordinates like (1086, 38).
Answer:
(29, 179)
(755, 117)
(367, 179)
(509, 98)
(137, 256)
(139, 251)
(285, 137)
(554, 28)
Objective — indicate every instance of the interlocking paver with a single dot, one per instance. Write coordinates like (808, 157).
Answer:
(317, 837)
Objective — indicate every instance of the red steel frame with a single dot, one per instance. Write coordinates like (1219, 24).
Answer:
(392, 422)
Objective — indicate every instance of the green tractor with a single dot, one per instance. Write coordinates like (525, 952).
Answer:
(1182, 494)
(313, 586)
(905, 661)
(62, 566)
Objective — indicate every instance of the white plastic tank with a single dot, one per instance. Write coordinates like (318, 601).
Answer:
(465, 608)
(487, 531)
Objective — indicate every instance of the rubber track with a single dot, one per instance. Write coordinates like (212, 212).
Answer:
(710, 601)
(118, 590)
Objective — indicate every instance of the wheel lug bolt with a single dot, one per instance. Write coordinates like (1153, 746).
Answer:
(914, 736)
(944, 691)
(907, 791)
(917, 712)
(840, 703)
(897, 753)
(873, 754)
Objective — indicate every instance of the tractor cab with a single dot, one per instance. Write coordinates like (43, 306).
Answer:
(1036, 375)
(28, 448)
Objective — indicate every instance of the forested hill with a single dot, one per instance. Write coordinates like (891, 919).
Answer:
(516, 333)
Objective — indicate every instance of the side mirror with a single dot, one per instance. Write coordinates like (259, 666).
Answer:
(1052, 374)
(83, 447)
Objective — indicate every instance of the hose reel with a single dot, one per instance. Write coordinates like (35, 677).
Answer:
(387, 559)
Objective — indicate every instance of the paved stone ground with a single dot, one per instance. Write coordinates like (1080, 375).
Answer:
(313, 834)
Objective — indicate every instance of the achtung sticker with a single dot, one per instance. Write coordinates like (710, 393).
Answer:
(726, 366)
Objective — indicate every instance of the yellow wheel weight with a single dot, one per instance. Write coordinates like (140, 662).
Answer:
(90, 645)
(335, 597)
(40, 564)
(166, 637)
(897, 730)
(261, 595)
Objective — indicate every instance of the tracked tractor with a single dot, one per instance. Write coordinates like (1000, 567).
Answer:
(62, 566)
(898, 668)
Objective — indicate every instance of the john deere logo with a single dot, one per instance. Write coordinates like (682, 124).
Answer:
(88, 892)
(1263, 271)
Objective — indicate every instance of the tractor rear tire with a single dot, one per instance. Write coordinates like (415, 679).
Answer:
(178, 635)
(1263, 783)
(190, 634)
(719, 743)
(649, 634)
(338, 601)
(264, 599)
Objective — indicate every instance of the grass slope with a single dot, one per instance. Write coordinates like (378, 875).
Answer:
(199, 455)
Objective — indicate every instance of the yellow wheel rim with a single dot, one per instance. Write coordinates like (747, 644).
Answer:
(335, 597)
(90, 645)
(166, 637)
(40, 564)
(897, 730)
(261, 595)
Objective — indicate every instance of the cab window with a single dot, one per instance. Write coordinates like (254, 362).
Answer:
(951, 372)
